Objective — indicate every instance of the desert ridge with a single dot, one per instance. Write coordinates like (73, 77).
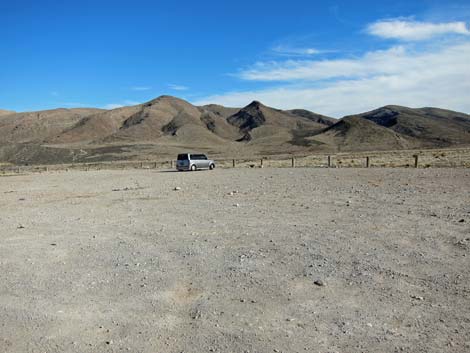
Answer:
(168, 124)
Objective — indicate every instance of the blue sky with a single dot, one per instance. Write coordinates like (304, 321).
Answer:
(332, 57)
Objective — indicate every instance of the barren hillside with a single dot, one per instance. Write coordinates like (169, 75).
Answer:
(433, 126)
(166, 125)
(6, 112)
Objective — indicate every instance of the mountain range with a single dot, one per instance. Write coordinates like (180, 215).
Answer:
(167, 125)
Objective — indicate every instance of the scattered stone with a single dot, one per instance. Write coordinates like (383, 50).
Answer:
(20, 227)
(236, 205)
(417, 297)
(53, 244)
(109, 342)
(462, 220)
(319, 283)
(177, 188)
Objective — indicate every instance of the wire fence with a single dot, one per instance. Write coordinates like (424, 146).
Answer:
(443, 158)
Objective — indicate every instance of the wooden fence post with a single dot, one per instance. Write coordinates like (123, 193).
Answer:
(367, 162)
(155, 165)
(171, 164)
(329, 161)
(233, 163)
(416, 160)
(261, 163)
(293, 162)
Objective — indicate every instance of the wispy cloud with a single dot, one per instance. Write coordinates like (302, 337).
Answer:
(141, 88)
(177, 87)
(295, 51)
(73, 104)
(408, 30)
(382, 61)
(120, 105)
(401, 75)
(112, 106)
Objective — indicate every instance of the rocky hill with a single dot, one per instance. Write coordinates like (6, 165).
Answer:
(167, 125)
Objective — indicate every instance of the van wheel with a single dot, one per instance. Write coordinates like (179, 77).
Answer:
(212, 166)
(193, 168)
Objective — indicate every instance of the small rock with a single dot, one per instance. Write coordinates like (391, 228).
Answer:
(236, 205)
(109, 342)
(319, 283)
(462, 220)
(177, 188)
(417, 297)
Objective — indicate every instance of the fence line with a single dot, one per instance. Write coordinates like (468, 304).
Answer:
(410, 159)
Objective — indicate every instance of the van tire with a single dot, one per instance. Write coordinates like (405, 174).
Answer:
(193, 168)
(212, 166)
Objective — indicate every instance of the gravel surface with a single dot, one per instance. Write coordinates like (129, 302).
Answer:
(236, 260)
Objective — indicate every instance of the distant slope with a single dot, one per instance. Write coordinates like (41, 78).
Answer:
(257, 122)
(433, 126)
(164, 117)
(354, 133)
(220, 110)
(6, 112)
(42, 126)
(317, 118)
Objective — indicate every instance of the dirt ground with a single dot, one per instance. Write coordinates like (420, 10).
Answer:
(237, 260)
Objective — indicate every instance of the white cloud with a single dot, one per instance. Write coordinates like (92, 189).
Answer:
(112, 106)
(434, 77)
(295, 51)
(141, 88)
(387, 61)
(177, 87)
(120, 105)
(414, 31)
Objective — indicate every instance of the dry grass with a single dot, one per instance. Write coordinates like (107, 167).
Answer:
(435, 158)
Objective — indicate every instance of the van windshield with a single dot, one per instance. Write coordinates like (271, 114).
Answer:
(182, 157)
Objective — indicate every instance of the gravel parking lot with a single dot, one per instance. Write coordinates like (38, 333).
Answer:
(236, 260)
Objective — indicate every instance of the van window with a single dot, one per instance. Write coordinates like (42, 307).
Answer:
(182, 157)
(198, 156)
